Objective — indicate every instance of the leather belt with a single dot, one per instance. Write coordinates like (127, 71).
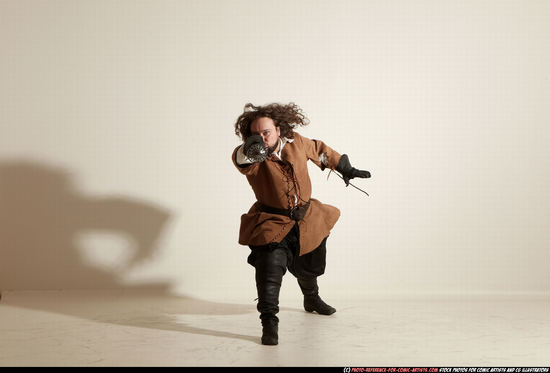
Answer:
(296, 213)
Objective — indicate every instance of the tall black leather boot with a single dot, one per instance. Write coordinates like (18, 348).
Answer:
(270, 268)
(312, 300)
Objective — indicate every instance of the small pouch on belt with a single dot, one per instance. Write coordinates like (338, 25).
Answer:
(299, 212)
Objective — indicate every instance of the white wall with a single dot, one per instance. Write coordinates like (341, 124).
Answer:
(117, 129)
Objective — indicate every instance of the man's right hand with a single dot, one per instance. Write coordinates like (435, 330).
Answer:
(254, 148)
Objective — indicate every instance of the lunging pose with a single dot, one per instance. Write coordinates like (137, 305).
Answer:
(285, 228)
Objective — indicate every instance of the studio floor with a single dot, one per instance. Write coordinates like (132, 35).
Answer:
(118, 328)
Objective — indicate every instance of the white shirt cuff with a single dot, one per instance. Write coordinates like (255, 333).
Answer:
(241, 158)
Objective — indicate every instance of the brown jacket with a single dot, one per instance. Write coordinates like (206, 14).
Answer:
(274, 185)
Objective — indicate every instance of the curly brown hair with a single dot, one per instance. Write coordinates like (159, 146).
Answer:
(287, 117)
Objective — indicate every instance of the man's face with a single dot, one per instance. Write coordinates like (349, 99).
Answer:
(266, 128)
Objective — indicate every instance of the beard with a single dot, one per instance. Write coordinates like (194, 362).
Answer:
(271, 149)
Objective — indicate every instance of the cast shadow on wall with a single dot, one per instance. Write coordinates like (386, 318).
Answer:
(41, 215)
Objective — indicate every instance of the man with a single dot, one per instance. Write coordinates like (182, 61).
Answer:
(285, 228)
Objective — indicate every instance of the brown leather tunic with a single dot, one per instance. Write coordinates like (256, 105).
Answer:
(276, 182)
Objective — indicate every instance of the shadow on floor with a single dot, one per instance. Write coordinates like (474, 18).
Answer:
(138, 307)
(42, 216)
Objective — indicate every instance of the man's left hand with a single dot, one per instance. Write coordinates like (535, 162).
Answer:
(348, 172)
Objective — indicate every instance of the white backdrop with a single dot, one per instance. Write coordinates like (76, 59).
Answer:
(117, 129)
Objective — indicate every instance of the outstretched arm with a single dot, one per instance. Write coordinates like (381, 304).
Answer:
(319, 153)
(326, 157)
(247, 156)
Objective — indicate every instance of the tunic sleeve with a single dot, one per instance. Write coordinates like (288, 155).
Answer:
(320, 153)
(240, 162)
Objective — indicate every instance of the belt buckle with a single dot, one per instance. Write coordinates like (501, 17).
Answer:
(291, 213)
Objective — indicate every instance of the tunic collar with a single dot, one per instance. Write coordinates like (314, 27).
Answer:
(282, 142)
